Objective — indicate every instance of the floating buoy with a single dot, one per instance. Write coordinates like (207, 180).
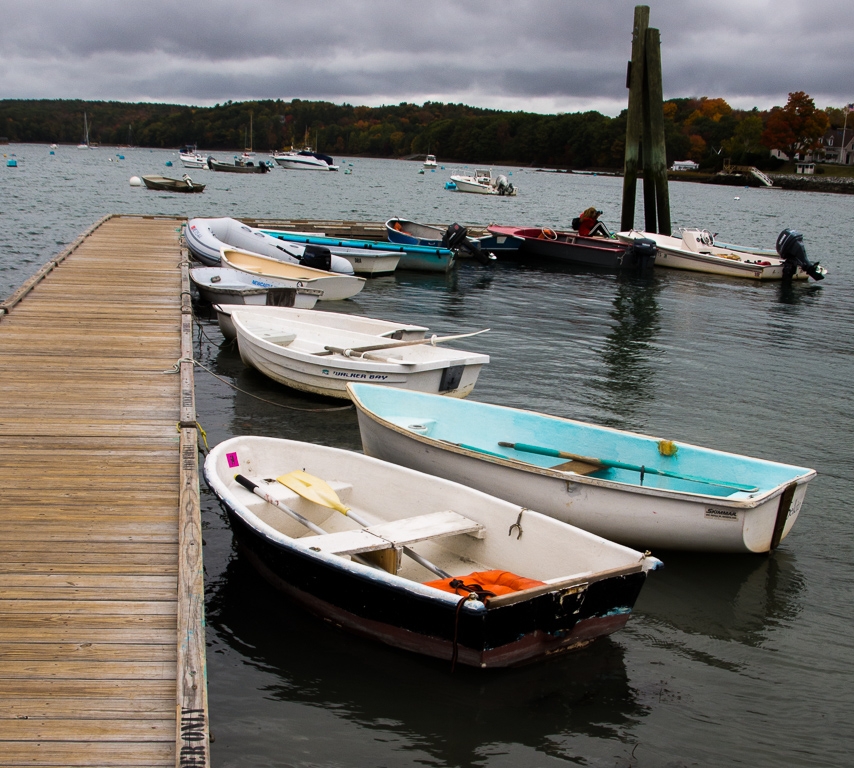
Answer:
(450, 185)
(12, 163)
(736, 198)
(168, 163)
(135, 181)
(121, 157)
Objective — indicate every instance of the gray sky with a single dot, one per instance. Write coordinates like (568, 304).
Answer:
(537, 56)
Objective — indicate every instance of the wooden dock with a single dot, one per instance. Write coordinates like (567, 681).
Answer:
(101, 594)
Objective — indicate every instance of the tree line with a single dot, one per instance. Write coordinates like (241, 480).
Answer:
(703, 129)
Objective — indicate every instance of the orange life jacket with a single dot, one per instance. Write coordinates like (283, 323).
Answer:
(485, 584)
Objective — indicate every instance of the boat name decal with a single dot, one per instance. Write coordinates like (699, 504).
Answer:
(722, 514)
(231, 458)
(348, 375)
(794, 508)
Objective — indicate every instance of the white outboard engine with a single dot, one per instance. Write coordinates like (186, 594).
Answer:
(791, 249)
(641, 253)
(504, 187)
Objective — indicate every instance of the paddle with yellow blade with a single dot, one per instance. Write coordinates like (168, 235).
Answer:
(251, 485)
(320, 492)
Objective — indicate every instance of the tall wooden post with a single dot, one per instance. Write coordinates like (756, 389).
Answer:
(655, 159)
(645, 126)
(634, 117)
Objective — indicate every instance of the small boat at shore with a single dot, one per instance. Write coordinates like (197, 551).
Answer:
(642, 491)
(382, 329)
(410, 233)
(165, 184)
(220, 285)
(366, 257)
(695, 250)
(570, 247)
(416, 257)
(206, 237)
(335, 286)
(439, 577)
(321, 358)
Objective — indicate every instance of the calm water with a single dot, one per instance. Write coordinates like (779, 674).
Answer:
(738, 660)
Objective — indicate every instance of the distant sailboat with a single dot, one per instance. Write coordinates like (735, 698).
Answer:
(85, 144)
(248, 152)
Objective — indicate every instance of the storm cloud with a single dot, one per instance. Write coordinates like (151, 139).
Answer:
(541, 56)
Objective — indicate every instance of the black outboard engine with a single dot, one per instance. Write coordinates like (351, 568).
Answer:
(455, 238)
(790, 247)
(317, 257)
(641, 253)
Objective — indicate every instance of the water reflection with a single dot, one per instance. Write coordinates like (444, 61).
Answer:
(629, 353)
(409, 699)
(727, 597)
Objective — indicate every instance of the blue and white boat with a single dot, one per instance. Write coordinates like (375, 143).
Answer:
(406, 232)
(419, 257)
(641, 491)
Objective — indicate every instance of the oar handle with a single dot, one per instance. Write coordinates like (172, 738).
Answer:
(432, 340)
(257, 490)
(526, 448)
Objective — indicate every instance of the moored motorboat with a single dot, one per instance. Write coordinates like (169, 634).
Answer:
(321, 358)
(439, 577)
(305, 159)
(570, 247)
(386, 329)
(240, 165)
(335, 286)
(165, 184)
(221, 285)
(695, 250)
(430, 163)
(205, 238)
(483, 183)
(639, 490)
(190, 157)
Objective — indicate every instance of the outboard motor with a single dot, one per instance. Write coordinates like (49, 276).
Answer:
(317, 257)
(455, 238)
(791, 249)
(504, 187)
(642, 253)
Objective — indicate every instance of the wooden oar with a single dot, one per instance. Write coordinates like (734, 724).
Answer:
(257, 490)
(432, 340)
(526, 448)
(320, 492)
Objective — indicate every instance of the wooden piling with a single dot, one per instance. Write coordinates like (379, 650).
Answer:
(645, 127)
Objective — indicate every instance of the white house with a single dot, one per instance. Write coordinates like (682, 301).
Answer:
(684, 165)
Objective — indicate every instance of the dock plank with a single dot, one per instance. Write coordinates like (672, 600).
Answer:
(100, 620)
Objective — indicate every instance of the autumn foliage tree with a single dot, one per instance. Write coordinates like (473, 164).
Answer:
(797, 128)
